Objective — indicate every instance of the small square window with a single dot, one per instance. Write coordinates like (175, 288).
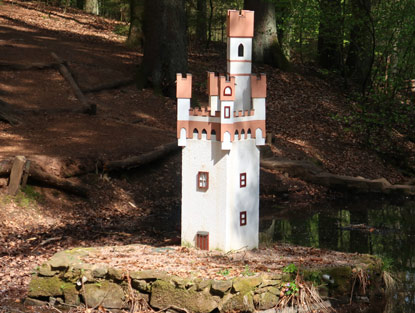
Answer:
(227, 112)
(203, 180)
(242, 180)
(242, 218)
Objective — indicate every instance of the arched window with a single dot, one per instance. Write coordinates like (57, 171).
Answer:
(227, 91)
(204, 132)
(241, 50)
(195, 133)
(213, 132)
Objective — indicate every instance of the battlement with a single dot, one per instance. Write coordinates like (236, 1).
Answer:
(244, 113)
(240, 23)
(203, 111)
(184, 86)
(212, 84)
(259, 86)
(226, 88)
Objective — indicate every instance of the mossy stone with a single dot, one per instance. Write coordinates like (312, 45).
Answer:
(46, 270)
(238, 303)
(164, 294)
(220, 287)
(149, 275)
(206, 283)
(71, 294)
(45, 287)
(109, 295)
(265, 301)
(141, 285)
(246, 284)
(116, 274)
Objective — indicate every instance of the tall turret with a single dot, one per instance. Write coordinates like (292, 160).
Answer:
(239, 56)
(220, 157)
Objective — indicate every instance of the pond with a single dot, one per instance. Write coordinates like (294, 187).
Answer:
(373, 226)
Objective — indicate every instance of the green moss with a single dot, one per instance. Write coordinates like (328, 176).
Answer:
(45, 287)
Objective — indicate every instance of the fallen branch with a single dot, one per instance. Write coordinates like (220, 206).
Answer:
(143, 159)
(26, 67)
(39, 176)
(63, 69)
(110, 85)
(309, 172)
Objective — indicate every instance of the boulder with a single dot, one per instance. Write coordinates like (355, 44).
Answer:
(220, 287)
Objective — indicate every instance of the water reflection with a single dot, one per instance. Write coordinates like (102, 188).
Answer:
(384, 229)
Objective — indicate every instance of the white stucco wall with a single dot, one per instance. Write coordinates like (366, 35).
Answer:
(243, 93)
(204, 210)
(232, 48)
(217, 210)
(243, 158)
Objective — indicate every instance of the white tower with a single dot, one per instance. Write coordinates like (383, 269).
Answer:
(220, 158)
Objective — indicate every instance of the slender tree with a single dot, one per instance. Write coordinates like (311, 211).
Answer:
(201, 30)
(165, 47)
(266, 48)
(361, 50)
(135, 33)
(330, 34)
(92, 6)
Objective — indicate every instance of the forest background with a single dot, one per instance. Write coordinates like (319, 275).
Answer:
(368, 43)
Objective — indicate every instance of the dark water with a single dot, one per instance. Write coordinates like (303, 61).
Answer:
(372, 226)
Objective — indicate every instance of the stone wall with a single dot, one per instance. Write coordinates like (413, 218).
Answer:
(66, 280)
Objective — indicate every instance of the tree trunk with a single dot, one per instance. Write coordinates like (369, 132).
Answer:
(330, 34)
(135, 33)
(358, 63)
(92, 6)
(165, 47)
(266, 48)
(210, 23)
(201, 21)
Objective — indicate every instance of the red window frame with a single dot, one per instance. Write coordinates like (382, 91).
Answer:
(227, 112)
(202, 183)
(242, 218)
(242, 180)
(224, 91)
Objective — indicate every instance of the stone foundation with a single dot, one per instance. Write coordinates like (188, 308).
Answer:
(66, 279)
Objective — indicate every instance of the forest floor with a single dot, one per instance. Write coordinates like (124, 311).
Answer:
(140, 205)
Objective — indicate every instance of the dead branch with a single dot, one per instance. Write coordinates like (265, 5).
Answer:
(65, 72)
(39, 176)
(26, 67)
(137, 161)
(110, 85)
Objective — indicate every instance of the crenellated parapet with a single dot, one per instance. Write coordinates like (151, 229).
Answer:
(220, 121)
(240, 23)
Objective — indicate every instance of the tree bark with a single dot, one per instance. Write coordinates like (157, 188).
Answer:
(330, 34)
(266, 48)
(358, 63)
(92, 6)
(165, 47)
(135, 33)
(201, 21)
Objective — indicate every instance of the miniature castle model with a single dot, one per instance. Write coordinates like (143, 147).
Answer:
(220, 157)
